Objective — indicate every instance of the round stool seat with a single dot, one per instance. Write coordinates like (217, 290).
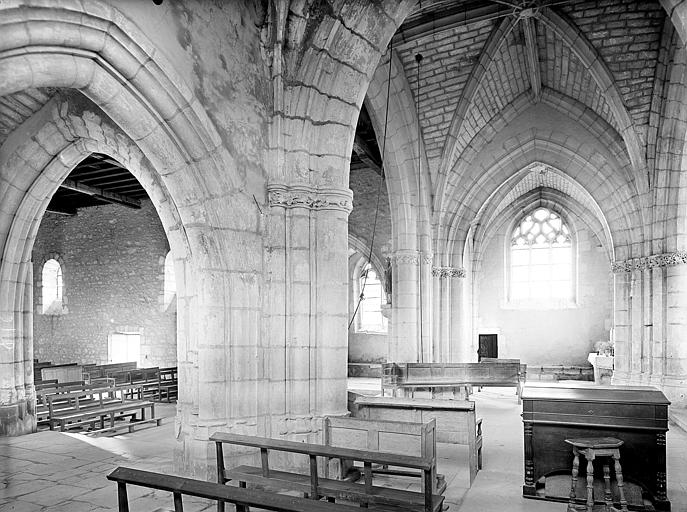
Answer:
(592, 448)
(597, 443)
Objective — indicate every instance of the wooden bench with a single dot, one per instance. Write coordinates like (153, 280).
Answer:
(79, 408)
(456, 422)
(95, 371)
(402, 437)
(169, 385)
(403, 379)
(316, 487)
(241, 498)
(143, 382)
(68, 372)
(54, 389)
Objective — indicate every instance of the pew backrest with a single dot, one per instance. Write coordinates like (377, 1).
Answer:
(401, 378)
(402, 437)
(242, 498)
(316, 486)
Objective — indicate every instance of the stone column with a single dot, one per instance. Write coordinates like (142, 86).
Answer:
(307, 346)
(622, 326)
(450, 318)
(650, 324)
(425, 316)
(404, 343)
(675, 358)
(17, 405)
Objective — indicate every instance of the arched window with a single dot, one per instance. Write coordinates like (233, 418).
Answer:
(541, 260)
(371, 318)
(170, 283)
(52, 287)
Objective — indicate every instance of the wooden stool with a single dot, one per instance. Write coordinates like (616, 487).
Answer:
(591, 448)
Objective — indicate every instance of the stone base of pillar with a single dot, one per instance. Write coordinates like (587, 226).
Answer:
(195, 456)
(675, 388)
(17, 419)
(620, 378)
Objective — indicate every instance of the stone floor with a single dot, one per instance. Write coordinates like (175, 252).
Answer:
(52, 471)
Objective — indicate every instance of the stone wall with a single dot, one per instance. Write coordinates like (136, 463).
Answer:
(367, 347)
(113, 265)
(548, 336)
(364, 183)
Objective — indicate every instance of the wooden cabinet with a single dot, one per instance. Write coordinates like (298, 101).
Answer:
(636, 415)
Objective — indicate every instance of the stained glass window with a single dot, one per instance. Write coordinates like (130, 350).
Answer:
(541, 258)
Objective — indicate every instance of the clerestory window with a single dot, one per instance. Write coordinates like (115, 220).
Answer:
(52, 287)
(541, 261)
(371, 318)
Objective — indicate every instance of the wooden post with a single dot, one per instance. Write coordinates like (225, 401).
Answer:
(427, 477)
(220, 472)
(178, 504)
(122, 497)
(314, 481)
(265, 462)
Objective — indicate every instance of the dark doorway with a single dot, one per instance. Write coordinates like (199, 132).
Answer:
(488, 346)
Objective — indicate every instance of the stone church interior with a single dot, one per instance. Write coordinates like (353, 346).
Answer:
(317, 255)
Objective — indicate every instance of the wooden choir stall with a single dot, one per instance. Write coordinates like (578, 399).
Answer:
(636, 415)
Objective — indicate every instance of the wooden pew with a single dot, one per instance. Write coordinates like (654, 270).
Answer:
(143, 382)
(168, 385)
(401, 437)
(316, 487)
(95, 371)
(403, 379)
(54, 389)
(37, 367)
(456, 422)
(241, 498)
(68, 372)
(91, 406)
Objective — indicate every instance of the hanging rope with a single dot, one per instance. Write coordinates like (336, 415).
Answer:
(379, 186)
(418, 59)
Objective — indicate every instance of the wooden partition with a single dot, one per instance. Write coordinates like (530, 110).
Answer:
(456, 421)
(402, 437)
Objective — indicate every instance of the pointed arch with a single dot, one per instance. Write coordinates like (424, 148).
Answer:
(479, 71)
(596, 66)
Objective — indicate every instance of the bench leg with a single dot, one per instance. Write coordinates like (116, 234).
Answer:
(590, 483)
(178, 504)
(122, 498)
(573, 480)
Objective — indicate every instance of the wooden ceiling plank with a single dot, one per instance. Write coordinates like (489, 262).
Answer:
(102, 194)
(364, 152)
(446, 18)
(61, 210)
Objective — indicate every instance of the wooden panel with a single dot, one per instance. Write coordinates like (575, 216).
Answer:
(456, 422)
(66, 373)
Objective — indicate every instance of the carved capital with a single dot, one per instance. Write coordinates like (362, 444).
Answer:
(312, 198)
(448, 272)
(668, 259)
(406, 257)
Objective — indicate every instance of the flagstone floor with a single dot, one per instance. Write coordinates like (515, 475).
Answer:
(52, 471)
